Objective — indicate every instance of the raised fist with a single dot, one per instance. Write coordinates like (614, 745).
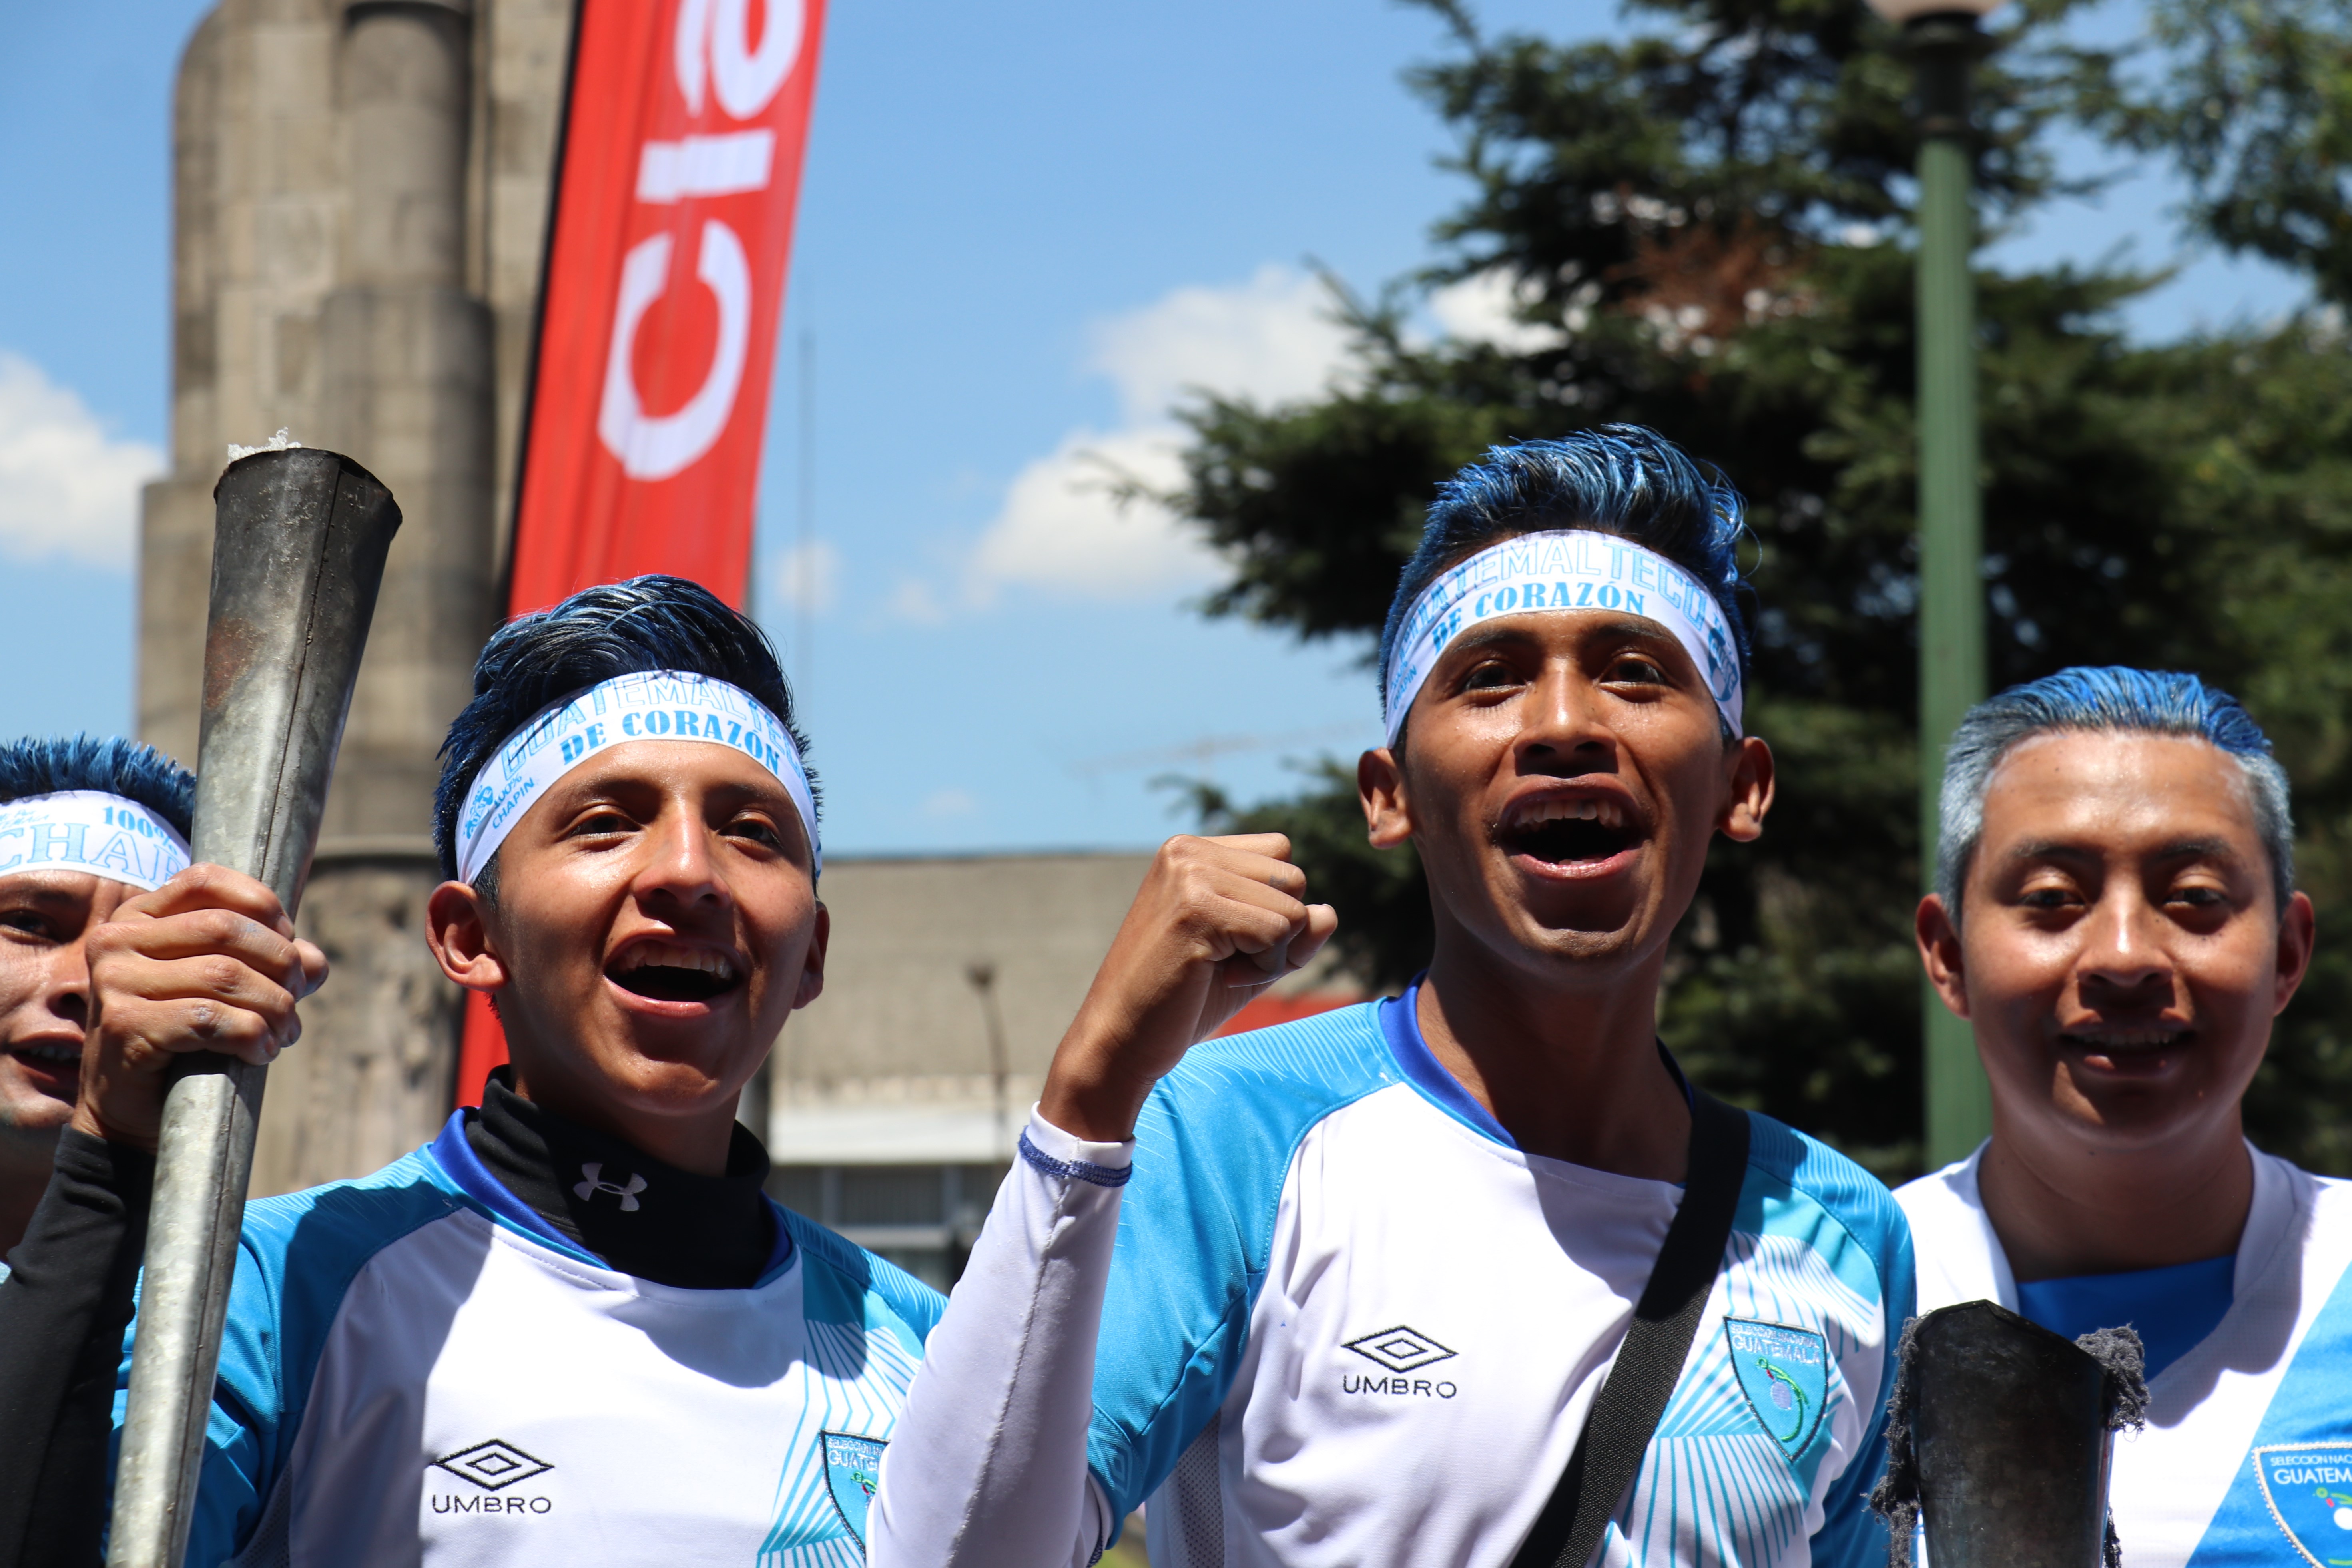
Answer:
(1216, 922)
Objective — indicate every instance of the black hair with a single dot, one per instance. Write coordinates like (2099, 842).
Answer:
(111, 765)
(1622, 479)
(637, 627)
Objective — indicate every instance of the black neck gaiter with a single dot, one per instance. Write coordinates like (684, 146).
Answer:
(640, 1215)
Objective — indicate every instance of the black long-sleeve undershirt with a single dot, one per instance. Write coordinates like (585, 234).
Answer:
(63, 1310)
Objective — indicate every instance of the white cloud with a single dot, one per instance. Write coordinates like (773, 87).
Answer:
(805, 577)
(1063, 526)
(1272, 339)
(1487, 306)
(67, 487)
(949, 802)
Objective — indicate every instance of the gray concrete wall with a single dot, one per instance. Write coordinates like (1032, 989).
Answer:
(893, 1064)
(893, 1061)
(906, 932)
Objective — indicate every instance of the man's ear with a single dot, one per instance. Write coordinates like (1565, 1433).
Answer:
(1939, 951)
(457, 928)
(1379, 785)
(812, 983)
(1749, 762)
(2297, 932)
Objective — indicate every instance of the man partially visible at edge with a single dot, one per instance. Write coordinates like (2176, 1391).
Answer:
(2115, 916)
(85, 824)
(1340, 1293)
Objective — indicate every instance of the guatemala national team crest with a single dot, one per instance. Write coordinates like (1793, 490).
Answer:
(1785, 1373)
(853, 1468)
(2309, 1489)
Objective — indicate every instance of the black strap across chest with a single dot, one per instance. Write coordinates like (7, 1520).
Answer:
(1624, 1415)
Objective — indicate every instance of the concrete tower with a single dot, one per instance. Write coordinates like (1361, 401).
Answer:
(360, 196)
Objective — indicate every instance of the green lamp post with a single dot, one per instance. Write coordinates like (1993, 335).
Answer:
(1945, 41)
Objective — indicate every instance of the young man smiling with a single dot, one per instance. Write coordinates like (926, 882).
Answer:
(2115, 916)
(1340, 1294)
(572, 1328)
(84, 824)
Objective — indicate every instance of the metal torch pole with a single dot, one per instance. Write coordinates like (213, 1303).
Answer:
(1952, 524)
(297, 554)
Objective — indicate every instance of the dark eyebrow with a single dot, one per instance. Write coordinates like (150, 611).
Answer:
(2050, 849)
(1646, 631)
(2197, 849)
(2179, 849)
(40, 892)
(1626, 627)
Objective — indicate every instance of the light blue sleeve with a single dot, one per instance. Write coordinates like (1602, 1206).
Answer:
(1879, 1253)
(1212, 1150)
(855, 1286)
(296, 1258)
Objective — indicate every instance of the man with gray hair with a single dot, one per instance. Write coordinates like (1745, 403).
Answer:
(2115, 916)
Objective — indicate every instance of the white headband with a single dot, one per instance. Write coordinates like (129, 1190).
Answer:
(90, 831)
(660, 705)
(1573, 569)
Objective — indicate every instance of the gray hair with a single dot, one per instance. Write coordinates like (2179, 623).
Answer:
(2110, 700)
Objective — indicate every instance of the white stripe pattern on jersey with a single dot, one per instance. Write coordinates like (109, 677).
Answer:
(855, 1382)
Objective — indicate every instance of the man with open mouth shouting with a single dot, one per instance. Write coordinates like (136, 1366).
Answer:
(573, 1327)
(2115, 916)
(1343, 1293)
(84, 824)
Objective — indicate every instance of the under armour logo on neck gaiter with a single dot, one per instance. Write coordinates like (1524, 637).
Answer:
(594, 1183)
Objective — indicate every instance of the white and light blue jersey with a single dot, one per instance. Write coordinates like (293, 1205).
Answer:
(2247, 1455)
(418, 1368)
(1346, 1323)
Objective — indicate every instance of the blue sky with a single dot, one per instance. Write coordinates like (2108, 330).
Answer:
(1026, 228)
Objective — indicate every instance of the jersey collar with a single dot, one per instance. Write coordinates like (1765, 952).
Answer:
(1399, 1021)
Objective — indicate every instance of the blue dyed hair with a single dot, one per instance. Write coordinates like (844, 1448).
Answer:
(646, 623)
(111, 765)
(2105, 701)
(1622, 479)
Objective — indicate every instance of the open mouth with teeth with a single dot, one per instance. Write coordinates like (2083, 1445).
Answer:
(668, 972)
(49, 1065)
(1567, 831)
(2122, 1046)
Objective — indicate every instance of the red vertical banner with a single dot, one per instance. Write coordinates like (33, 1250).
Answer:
(664, 290)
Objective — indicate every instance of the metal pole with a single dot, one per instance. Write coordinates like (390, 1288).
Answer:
(804, 612)
(982, 975)
(1952, 524)
(299, 550)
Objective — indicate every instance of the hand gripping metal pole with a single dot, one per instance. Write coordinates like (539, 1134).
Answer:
(298, 546)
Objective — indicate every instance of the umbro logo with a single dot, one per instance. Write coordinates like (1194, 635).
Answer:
(493, 1466)
(592, 1182)
(1400, 1349)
